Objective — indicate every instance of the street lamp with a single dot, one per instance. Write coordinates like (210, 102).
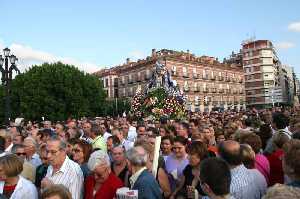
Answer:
(7, 72)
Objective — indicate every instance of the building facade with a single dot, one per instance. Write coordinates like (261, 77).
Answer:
(205, 82)
(262, 70)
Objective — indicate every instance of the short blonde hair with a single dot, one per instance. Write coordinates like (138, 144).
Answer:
(11, 164)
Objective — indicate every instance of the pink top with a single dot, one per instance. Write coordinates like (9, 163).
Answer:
(263, 166)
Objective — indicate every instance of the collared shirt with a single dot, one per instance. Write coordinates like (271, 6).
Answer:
(99, 143)
(106, 135)
(135, 176)
(8, 149)
(24, 189)
(35, 160)
(69, 175)
(131, 134)
(127, 144)
(247, 183)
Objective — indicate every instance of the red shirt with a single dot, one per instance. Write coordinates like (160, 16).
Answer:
(106, 191)
(276, 172)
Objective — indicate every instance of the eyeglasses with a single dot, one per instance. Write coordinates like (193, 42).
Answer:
(19, 154)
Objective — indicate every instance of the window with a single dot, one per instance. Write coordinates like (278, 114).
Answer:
(184, 70)
(195, 86)
(106, 82)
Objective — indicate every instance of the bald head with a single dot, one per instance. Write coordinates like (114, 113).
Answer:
(230, 152)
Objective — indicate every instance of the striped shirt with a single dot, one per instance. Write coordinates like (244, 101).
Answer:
(69, 175)
(247, 183)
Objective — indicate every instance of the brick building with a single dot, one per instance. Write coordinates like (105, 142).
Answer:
(205, 81)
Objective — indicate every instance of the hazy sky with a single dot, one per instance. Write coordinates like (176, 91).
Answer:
(95, 34)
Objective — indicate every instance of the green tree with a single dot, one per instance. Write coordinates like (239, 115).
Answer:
(117, 107)
(56, 91)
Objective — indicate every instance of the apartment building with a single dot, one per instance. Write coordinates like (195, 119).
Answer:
(205, 82)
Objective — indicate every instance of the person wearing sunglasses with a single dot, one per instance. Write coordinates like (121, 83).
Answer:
(28, 168)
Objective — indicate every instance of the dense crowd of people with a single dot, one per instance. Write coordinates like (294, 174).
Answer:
(248, 154)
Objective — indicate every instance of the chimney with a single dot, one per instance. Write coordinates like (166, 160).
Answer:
(127, 60)
(153, 52)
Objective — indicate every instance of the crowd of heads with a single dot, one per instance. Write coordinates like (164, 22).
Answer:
(204, 151)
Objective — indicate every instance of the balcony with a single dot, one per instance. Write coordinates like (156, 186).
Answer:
(220, 78)
(241, 80)
(139, 79)
(205, 77)
(227, 79)
(205, 90)
(213, 77)
(214, 90)
(185, 75)
(228, 91)
(195, 76)
(196, 89)
(241, 91)
(130, 81)
(235, 91)
(146, 77)
(221, 90)
(186, 88)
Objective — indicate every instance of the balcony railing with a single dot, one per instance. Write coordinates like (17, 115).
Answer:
(220, 78)
(186, 88)
(185, 75)
(196, 89)
(147, 77)
(205, 90)
(221, 90)
(196, 76)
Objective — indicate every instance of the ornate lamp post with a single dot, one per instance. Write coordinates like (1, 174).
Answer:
(6, 72)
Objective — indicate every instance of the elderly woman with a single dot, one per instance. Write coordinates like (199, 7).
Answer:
(81, 154)
(12, 185)
(102, 183)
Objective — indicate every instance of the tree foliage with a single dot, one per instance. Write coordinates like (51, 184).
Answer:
(56, 92)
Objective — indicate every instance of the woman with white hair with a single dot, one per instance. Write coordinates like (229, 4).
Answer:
(102, 183)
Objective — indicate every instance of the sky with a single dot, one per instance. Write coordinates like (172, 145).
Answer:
(94, 34)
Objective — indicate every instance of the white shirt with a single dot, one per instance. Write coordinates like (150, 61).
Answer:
(8, 149)
(24, 189)
(106, 135)
(135, 176)
(127, 144)
(247, 183)
(69, 175)
(35, 160)
(131, 134)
